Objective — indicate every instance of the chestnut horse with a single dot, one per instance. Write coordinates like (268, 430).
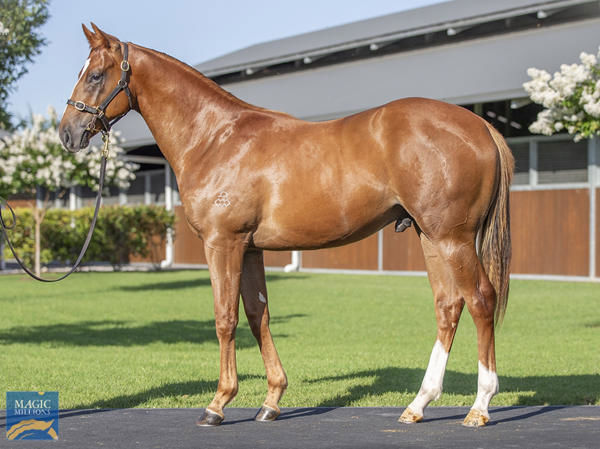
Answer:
(252, 179)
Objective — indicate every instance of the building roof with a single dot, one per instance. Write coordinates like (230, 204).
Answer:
(483, 68)
(378, 30)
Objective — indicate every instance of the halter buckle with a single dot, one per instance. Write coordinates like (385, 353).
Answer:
(79, 105)
(125, 66)
(105, 149)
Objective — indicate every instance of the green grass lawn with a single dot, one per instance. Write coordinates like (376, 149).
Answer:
(148, 340)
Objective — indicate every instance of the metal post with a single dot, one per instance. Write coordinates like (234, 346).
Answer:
(169, 254)
(592, 179)
(533, 163)
(168, 189)
(72, 203)
(380, 250)
(147, 189)
(122, 197)
(2, 261)
(296, 262)
(39, 203)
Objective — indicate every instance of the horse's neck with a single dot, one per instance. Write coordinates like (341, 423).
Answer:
(182, 108)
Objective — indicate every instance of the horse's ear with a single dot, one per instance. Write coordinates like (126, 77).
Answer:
(104, 39)
(91, 37)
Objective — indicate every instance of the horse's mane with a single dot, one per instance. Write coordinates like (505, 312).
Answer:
(198, 76)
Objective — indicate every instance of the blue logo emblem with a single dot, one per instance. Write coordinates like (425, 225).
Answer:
(32, 415)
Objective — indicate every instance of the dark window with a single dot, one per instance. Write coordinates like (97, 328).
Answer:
(562, 162)
(521, 154)
(157, 187)
(135, 194)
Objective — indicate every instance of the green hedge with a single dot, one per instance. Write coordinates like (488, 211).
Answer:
(121, 232)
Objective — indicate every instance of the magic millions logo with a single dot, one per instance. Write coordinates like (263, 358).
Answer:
(32, 415)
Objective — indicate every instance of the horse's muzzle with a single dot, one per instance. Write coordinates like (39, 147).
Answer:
(74, 139)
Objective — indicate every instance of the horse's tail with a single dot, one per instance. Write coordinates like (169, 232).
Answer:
(495, 246)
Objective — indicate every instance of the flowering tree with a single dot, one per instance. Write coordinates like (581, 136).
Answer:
(33, 161)
(20, 42)
(571, 98)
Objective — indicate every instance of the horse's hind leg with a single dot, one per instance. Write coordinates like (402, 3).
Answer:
(482, 304)
(254, 295)
(468, 281)
(448, 307)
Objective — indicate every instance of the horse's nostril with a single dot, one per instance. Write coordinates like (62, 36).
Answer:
(67, 138)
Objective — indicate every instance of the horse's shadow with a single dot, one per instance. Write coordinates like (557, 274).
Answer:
(200, 281)
(125, 333)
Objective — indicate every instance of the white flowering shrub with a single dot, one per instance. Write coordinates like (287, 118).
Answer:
(3, 30)
(571, 98)
(34, 157)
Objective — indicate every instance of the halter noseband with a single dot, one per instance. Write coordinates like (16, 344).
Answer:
(98, 111)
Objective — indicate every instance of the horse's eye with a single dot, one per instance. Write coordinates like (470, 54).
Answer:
(95, 77)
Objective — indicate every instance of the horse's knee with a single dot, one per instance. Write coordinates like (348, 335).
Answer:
(226, 327)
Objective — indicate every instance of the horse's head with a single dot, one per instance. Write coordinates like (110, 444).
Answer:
(101, 93)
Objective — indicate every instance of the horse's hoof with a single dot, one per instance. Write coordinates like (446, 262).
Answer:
(410, 417)
(210, 419)
(267, 414)
(475, 418)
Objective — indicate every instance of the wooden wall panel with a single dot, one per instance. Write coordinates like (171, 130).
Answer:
(402, 250)
(361, 255)
(21, 203)
(277, 258)
(156, 252)
(188, 247)
(550, 232)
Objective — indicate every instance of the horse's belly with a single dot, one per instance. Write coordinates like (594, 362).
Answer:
(314, 231)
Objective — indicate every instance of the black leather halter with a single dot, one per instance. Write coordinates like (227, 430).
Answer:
(98, 112)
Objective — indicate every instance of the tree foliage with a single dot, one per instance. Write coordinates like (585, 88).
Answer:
(20, 42)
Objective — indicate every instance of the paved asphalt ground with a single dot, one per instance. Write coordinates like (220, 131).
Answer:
(347, 427)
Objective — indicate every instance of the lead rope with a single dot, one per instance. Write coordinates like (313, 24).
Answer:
(5, 227)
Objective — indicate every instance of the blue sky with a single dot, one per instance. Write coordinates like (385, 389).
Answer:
(192, 31)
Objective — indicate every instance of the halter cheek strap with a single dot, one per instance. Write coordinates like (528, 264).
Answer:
(98, 112)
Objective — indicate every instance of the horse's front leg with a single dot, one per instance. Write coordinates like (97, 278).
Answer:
(225, 265)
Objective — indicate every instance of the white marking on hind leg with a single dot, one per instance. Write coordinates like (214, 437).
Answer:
(487, 387)
(262, 298)
(431, 388)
